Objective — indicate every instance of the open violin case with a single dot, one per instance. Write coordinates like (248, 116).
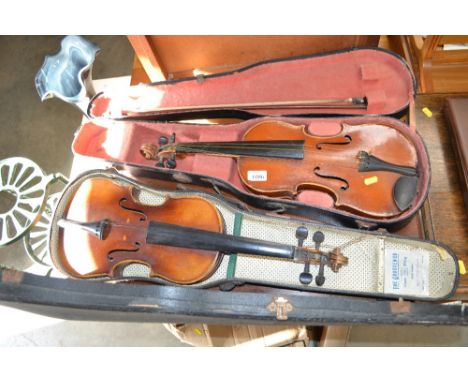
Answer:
(123, 125)
(386, 278)
(373, 259)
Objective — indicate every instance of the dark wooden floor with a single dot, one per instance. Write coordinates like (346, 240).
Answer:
(445, 210)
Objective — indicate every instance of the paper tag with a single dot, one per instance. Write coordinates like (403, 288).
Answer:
(197, 331)
(406, 272)
(461, 266)
(427, 112)
(257, 176)
(371, 180)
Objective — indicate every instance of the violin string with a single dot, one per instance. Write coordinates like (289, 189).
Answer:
(237, 144)
(343, 158)
(324, 155)
(139, 229)
(353, 241)
(318, 164)
(258, 148)
(265, 147)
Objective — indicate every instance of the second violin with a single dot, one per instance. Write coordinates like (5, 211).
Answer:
(182, 240)
(367, 169)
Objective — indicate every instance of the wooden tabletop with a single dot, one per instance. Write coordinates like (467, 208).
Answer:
(446, 216)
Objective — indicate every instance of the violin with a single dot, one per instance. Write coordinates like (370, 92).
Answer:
(182, 240)
(368, 170)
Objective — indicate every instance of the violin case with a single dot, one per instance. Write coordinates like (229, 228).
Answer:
(255, 290)
(120, 123)
(246, 289)
(377, 262)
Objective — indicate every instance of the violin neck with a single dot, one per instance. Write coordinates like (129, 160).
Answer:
(270, 149)
(186, 237)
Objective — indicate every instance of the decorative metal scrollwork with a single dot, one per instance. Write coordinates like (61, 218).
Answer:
(36, 240)
(23, 184)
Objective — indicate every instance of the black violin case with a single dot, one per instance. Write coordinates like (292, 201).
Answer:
(120, 122)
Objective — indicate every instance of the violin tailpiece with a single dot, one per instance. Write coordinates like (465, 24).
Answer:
(368, 162)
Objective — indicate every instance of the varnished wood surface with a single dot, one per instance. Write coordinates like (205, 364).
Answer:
(436, 69)
(124, 241)
(336, 163)
(446, 212)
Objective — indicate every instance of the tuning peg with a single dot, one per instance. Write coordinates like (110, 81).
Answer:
(306, 277)
(320, 278)
(318, 239)
(301, 234)
(163, 140)
(171, 163)
(161, 162)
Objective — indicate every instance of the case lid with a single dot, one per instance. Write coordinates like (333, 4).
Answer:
(380, 77)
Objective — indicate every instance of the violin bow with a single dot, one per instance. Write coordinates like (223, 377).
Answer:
(338, 103)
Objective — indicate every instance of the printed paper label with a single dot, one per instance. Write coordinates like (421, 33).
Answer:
(257, 176)
(406, 272)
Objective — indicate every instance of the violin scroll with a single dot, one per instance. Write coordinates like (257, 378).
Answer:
(336, 260)
(165, 153)
(149, 151)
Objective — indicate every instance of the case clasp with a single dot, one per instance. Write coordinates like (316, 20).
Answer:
(281, 306)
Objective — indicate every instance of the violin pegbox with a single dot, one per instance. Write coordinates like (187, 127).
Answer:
(306, 277)
(164, 152)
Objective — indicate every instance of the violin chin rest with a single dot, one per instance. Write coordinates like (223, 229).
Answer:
(404, 191)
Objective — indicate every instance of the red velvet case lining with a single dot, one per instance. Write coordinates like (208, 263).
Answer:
(376, 74)
(382, 77)
(121, 142)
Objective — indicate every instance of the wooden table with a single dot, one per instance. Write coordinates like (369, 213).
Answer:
(444, 211)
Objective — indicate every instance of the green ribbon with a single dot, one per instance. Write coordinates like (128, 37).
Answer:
(231, 269)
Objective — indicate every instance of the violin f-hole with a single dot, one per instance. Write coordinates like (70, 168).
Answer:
(112, 255)
(347, 141)
(327, 176)
(143, 216)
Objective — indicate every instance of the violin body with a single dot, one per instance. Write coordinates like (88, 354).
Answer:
(331, 164)
(88, 256)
